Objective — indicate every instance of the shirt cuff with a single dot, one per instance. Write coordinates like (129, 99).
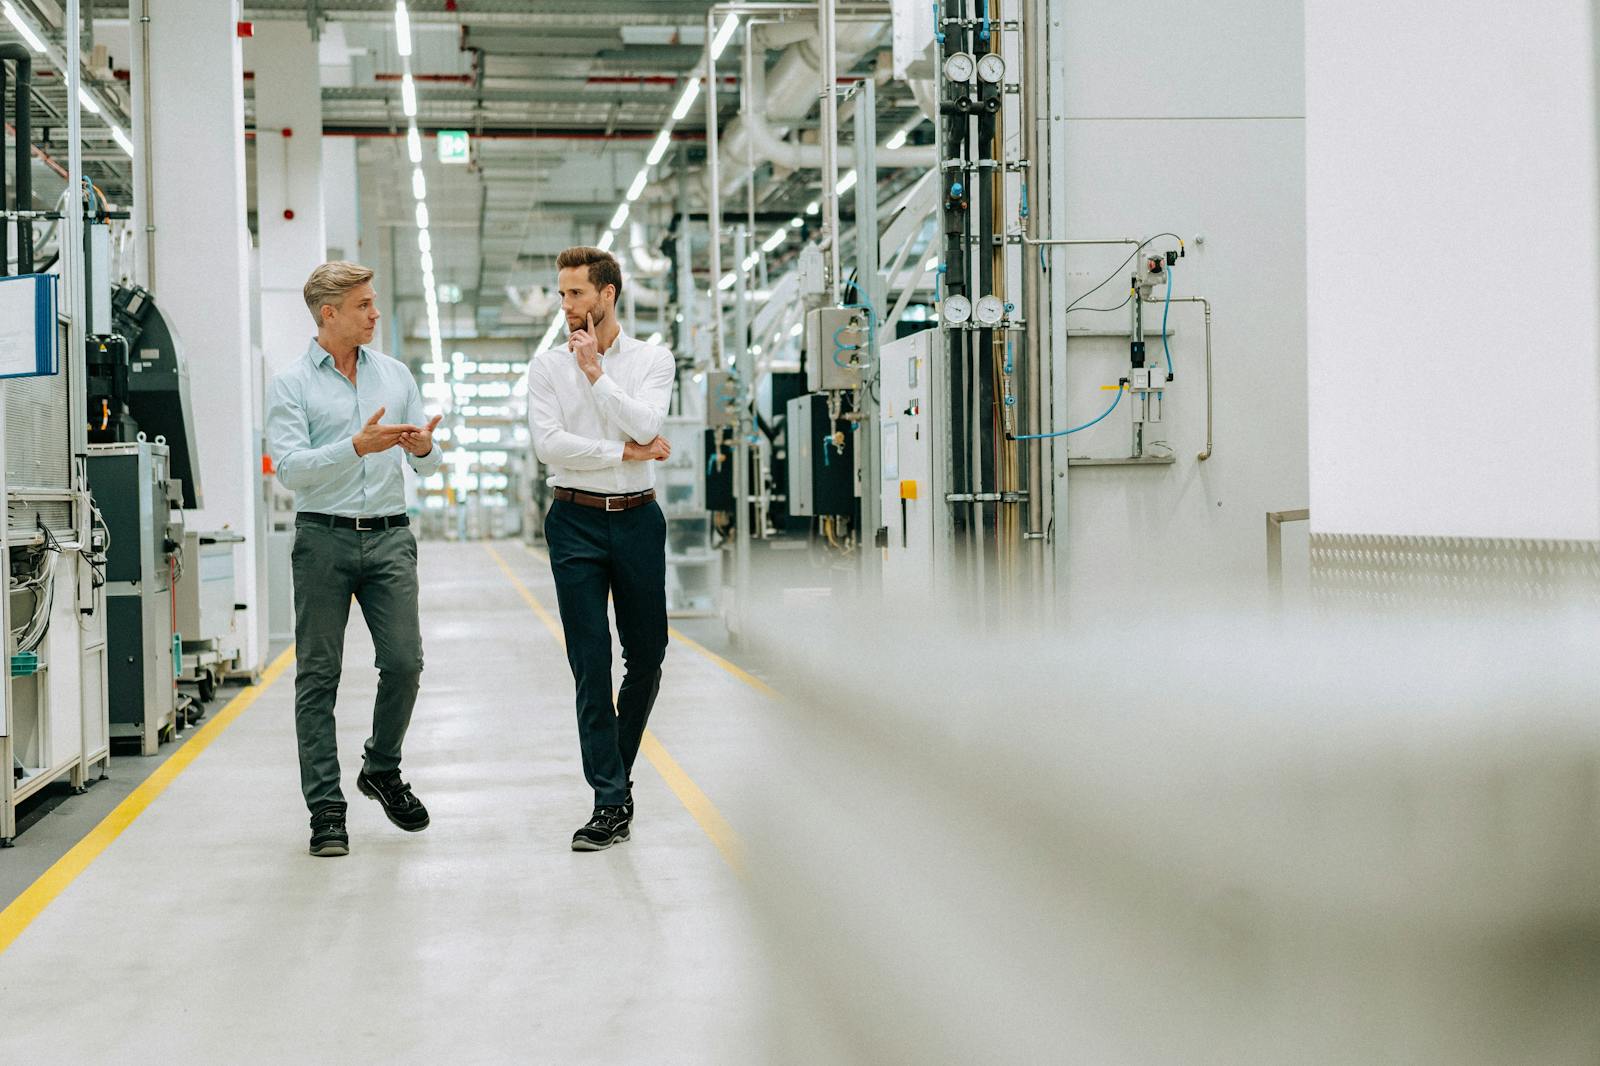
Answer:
(616, 448)
(604, 385)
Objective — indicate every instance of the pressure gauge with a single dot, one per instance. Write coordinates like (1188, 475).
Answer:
(957, 309)
(990, 310)
(991, 68)
(960, 66)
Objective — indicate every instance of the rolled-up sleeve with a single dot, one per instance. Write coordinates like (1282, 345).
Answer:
(640, 417)
(298, 464)
(554, 445)
(416, 416)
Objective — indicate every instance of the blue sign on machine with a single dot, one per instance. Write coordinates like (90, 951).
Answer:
(28, 336)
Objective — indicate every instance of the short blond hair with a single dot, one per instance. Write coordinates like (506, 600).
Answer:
(328, 284)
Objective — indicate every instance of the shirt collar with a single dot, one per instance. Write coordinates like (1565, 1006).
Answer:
(320, 355)
(622, 342)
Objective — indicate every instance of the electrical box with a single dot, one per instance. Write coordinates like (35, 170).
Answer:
(836, 342)
(821, 459)
(811, 270)
(909, 489)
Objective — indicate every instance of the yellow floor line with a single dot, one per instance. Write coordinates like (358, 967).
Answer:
(692, 644)
(689, 794)
(28, 906)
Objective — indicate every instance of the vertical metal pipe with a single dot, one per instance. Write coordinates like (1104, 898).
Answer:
(144, 193)
(24, 161)
(714, 212)
(828, 100)
(743, 382)
(1038, 345)
(5, 226)
(870, 291)
(73, 258)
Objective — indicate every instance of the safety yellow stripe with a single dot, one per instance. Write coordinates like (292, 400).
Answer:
(693, 645)
(689, 794)
(28, 906)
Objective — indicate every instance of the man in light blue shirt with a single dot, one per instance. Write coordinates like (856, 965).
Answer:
(332, 447)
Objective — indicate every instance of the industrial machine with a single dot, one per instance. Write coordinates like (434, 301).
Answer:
(137, 500)
(205, 612)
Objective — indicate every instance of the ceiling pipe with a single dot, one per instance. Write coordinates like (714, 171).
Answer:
(788, 93)
(646, 263)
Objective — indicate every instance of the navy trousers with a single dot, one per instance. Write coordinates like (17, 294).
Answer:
(621, 554)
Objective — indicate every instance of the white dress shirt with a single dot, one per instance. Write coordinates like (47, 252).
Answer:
(579, 429)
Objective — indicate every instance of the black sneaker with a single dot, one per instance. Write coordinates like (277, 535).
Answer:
(608, 826)
(403, 809)
(328, 834)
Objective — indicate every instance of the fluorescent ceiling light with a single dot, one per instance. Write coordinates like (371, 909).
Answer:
(620, 217)
(777, 238)
(408, 94)
(897, 141)
(424, 241)
(414, 144)
(797, 329)
(122, 140)
(847, 183)
(637, 188)
(751, 260)
(659, 150)
(727, 281)
(813, 207)
(402, 28)
(23, 28)
(655, 338)
(796, 222)
(607, 240)
(427, 268)
(88, 102)
(550, 334)
(419, 185)
(686, 101)
(932, 264)
(422, 216)
(724, 35)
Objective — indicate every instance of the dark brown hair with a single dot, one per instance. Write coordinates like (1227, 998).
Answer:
(603, 267)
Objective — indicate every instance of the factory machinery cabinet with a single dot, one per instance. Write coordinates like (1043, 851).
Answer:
(694, 569)
(136, 497)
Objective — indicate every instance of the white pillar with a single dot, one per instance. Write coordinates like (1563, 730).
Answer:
(202, 269)
(289, 207)
(1453, 381)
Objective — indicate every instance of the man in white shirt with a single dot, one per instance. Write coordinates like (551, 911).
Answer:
(595, 408)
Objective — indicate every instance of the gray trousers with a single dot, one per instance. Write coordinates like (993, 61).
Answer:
(378, 570)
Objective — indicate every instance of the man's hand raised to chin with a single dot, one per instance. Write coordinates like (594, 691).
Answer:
(586, 346)
(658, 450)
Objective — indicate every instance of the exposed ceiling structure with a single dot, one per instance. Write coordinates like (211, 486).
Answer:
(563, 105)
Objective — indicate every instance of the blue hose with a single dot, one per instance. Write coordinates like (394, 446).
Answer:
(1167, 306)
(1077, 429)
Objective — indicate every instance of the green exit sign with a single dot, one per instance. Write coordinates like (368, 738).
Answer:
(454, 146)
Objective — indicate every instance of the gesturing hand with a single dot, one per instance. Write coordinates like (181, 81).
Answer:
(419, 442)
(378, 438)
(586, 346)
(659, 450)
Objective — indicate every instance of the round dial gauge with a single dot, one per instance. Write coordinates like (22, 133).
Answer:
(990, 310)
(991, 68)
(957, 309)
(960, 66)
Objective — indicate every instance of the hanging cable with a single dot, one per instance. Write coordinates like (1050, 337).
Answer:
(1165, 307)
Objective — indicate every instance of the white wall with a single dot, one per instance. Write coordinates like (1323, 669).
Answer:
(1452, 210)
(1186, 118)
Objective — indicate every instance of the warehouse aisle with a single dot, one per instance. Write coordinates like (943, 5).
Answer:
(205, 933)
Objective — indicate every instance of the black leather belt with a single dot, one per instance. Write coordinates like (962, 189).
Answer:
(601, 502)
(360, 525)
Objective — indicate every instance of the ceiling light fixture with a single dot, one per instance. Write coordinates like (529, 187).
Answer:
(776, 239)
(414, 143)
(607, 240)
(23, 28)
(686, 101)
(620, 217)
(88, 102)
(724, 35)
(658, 150)
(122, 140)
(419, 184)
(402, 28)
(408, 95)
(637, 188)
(422, 216)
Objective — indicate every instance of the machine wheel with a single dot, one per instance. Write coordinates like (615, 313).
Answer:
(208, 688)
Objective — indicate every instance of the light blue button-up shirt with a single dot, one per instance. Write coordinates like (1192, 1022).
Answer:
(313, 412)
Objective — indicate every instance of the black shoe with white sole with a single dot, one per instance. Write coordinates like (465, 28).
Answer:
(394, 795)
(328, 835)
(608, 826)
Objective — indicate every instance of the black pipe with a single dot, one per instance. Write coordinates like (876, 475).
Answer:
(23, 121)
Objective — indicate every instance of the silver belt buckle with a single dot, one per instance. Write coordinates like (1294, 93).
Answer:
(363, 529)
(621, 502)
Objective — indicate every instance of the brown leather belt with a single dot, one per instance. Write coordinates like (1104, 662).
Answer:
(600, 502)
